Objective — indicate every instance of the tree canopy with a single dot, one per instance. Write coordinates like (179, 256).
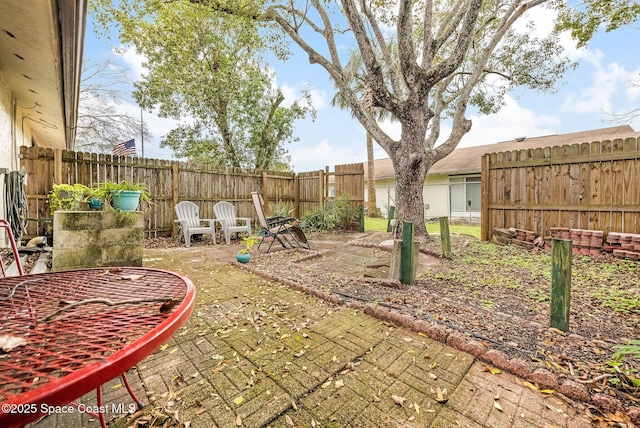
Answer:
(450, 55)
(587, 17)
(208, 70)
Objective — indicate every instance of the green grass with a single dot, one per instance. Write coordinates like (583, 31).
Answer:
(380, 225)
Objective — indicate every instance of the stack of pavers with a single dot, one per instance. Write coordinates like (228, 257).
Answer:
(586, 242)
(623, 245)
(524, 238)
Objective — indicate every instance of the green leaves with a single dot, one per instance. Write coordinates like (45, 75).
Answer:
(206, 69)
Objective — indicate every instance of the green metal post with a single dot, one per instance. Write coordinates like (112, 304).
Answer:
(390, 216)
(406, 253)
(445, 237)
(561, 251)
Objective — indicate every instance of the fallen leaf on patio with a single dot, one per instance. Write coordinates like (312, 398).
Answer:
(238, 400)
(339, 383)
(8, 342)
(432, 376)
(417, 407)
(497, 405)
(375, 397)
(294, 405)
(187, 424)
(165, 346)
(132, 277)
(116, 386)
(398, 400)
(288, 420)
(299, 354)
(440, 396)
(530, 386)
(408, 339)
(324, 385)
(553, 408)
(547, 391)
(217, 357)
(238, 420)
(334, 359)
(495, 370)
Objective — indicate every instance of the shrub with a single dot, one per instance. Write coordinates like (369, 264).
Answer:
(337, 214)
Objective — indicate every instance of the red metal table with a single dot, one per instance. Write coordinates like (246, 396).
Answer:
(82, 329)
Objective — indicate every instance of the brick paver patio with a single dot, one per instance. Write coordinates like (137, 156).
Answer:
(258, 354)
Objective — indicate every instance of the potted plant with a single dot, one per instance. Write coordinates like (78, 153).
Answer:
(95, 199)
(247, 243)
(67, 197)
(123, 196)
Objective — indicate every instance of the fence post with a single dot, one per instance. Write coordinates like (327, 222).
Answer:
(407, 253)
(57, 166)
(175, 193)
(321, 182)
(296, 195)
(560, 284)
(390, 216)
(485, 220)
(445, 237)
(361, 218)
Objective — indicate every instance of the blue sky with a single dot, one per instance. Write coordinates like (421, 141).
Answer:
(599, 86)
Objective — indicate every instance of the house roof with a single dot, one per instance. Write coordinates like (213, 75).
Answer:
(467, 160)
(41, 62)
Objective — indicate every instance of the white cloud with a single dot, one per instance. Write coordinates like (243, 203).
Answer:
(510, 122)
(597, 97)
(307, 158)
(133, 60)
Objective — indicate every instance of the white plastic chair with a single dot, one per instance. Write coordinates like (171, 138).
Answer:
(189, 218)
(226, 216)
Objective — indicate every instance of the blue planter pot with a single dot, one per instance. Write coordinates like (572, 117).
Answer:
(95, 204)
(243, 258)
(126, 200)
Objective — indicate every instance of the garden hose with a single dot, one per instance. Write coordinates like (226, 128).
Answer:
(15, 202)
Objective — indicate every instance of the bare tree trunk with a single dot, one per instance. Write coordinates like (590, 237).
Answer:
(372, 207)
(410, 173)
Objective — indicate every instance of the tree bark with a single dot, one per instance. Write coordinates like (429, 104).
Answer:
(372, 206)
(410, 172)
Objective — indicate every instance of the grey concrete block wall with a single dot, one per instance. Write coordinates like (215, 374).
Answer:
(86, 239)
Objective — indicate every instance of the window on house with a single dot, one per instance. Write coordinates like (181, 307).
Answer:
(464, 193)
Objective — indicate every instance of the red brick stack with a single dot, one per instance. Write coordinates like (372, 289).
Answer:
(623, 245)
(584, 241)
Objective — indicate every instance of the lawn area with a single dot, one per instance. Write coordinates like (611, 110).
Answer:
(380, 225)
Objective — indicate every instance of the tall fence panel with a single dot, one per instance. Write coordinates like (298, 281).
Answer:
(586, 186)
(170, 182)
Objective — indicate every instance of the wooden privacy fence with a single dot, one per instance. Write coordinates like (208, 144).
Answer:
(583, 186)
(170, 182)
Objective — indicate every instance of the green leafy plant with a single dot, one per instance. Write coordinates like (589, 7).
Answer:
(624, 373)
(248, 242)
(67, 196)
(335, 215)
(106, 190)
(280, 209)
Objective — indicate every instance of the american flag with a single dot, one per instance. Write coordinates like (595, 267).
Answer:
(125, 149)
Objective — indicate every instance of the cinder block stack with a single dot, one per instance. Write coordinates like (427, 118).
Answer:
(623, 245)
